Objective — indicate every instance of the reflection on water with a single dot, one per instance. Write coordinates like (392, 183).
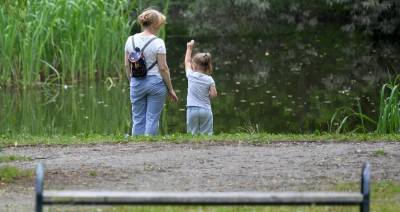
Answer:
(290, 83)
(66, 109)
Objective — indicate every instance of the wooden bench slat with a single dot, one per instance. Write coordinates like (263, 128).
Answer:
(107, 197)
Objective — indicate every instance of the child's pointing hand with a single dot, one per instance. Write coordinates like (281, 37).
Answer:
(190, 44)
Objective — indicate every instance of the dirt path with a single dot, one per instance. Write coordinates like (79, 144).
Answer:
(200, 167)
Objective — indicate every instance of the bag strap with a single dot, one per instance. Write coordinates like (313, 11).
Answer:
(144, 47)
(148, 42)
(133, 43)
(152, 65)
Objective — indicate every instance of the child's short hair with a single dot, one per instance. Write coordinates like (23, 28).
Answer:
(151, 17)
(203, 60)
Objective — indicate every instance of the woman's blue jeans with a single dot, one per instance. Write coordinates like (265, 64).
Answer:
(147, 97)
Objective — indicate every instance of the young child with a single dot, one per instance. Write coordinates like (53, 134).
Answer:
(201, 87)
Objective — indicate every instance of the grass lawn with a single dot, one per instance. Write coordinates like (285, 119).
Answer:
(10, 158)
(18, 140)
(8, 174)
(385, 198)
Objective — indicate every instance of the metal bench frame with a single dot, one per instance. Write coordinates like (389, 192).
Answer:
(202, 198)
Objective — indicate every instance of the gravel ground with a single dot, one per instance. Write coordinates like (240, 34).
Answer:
(283, 166)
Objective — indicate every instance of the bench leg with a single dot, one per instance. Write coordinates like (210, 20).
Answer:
(39, 188)
(365, 187)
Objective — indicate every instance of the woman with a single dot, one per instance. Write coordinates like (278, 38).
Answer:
(148, 93)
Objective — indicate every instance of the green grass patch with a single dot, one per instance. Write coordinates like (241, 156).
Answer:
(385, 195)
(23, 139)
(9, 174)
(380, 152)
(93, 173)
(10, 158)
(385, 198)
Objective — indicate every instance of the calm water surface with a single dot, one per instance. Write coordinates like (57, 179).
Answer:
(286, 83)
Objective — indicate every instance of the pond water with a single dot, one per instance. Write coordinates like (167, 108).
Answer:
(281, 83)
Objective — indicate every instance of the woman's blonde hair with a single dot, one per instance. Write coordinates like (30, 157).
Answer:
(151, 18)
(204, 61)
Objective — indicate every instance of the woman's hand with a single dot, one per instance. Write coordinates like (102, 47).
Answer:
(190, 44)
(172, 95)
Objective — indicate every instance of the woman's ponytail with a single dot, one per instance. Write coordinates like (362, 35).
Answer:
(151, 17)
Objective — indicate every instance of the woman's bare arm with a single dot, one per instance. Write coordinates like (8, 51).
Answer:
(164, 71)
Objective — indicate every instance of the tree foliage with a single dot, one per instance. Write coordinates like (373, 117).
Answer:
(375, 17)
(379, 18)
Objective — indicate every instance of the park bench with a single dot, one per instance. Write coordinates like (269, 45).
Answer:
(361, 199)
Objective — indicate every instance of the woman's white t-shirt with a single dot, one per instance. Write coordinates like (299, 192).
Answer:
(198, 89)
(157, 46)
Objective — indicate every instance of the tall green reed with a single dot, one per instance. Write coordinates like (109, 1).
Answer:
(163, 35)
(70, 40)
(389, 108)
(388, 120)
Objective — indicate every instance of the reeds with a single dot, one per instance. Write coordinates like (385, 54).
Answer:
(389, 108)
(163, 35)
(388, 120)
(344, 115)
(62, 40)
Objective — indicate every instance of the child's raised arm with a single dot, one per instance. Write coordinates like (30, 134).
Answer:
(188, 56)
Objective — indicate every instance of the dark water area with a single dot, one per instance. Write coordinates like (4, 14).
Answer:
(280, 83)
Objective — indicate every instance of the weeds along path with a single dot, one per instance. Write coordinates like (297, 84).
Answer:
(201, 167)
